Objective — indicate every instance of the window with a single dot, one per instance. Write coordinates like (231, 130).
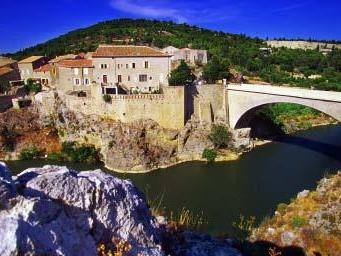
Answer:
(127, 66)
(86, 71)
(76, 81)
(110, 90)
(146, 64)
(128, 78)
(133, 65)
(119, 78)
(75, 70)
(118, 66)
(104, 66)
(86, 81)
(143, 78)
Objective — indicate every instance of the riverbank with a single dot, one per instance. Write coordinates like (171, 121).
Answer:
(223, 156)
(312, 221)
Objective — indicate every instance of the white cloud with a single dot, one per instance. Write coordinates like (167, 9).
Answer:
(143, 8)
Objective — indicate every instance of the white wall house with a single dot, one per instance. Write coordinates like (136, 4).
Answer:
(130, 68)
(191, 56)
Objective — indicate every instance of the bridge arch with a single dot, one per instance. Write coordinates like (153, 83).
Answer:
(245, 98)
(246, 117)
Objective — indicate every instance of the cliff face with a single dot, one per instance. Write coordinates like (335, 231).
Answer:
(23, 128)
(312, 221)
(57, 211)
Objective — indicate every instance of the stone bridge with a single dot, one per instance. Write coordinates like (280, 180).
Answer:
(244, 99)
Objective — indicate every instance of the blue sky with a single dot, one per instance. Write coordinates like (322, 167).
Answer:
(25, 23)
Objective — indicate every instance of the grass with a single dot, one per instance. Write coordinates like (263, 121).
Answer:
(187, 219)
(298, 221)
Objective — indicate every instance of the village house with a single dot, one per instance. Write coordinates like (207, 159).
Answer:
(130, 69)
(8, 71)
(192, 57)
(42, 74)
(26, 66)
(74, 74)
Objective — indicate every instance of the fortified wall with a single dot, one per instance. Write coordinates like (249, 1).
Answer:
(171, 109)
(167, 109)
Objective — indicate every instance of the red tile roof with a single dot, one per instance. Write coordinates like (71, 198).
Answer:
(77, 63)
(43, 68)
(127, 51)
(5, 70)
(81, 55)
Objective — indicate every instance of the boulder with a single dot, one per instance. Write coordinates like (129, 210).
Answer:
(42, 227)
(61, 212)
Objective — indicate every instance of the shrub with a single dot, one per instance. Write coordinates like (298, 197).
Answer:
(29, 153)
(215, 70)
(56, 156)
(84, 153)
(220, 136)
(281, 208)
(107, 98)
(298, 221)
(32, 86)
(210, 155)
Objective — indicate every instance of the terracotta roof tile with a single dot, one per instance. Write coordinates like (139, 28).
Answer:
(77, 63)
(6, 61)
(127, 51)
(43, 68)
(5, 70)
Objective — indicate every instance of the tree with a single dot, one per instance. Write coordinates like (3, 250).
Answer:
(210, 155)
(220, 136)
(215, 70)
(182, 75)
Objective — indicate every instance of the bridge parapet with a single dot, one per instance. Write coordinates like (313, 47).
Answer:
(244, 98)
(287, 91)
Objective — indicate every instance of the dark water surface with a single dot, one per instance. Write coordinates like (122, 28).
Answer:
(252, 186)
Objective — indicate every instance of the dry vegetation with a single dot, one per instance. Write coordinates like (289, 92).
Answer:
(312, 221)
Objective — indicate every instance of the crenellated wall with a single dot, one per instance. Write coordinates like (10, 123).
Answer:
(167, 109)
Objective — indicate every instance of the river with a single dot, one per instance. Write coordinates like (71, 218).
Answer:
(252, 186)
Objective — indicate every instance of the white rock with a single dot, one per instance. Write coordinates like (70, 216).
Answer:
(287, 238)
(303, 194)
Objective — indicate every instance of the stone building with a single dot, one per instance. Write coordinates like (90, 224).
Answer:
(8, 71)
(130, 69)
(74, 74)
(190, 56)
(28, 65)
(43, 75)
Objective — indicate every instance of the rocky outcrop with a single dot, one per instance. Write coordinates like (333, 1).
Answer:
(23, 128)
(61, 212)
(56, 211)
(312, 221)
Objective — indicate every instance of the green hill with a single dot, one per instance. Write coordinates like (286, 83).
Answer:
(149, 32)
(284, 66)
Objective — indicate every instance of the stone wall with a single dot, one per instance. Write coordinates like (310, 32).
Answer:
(209, 103)
(167, 109)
